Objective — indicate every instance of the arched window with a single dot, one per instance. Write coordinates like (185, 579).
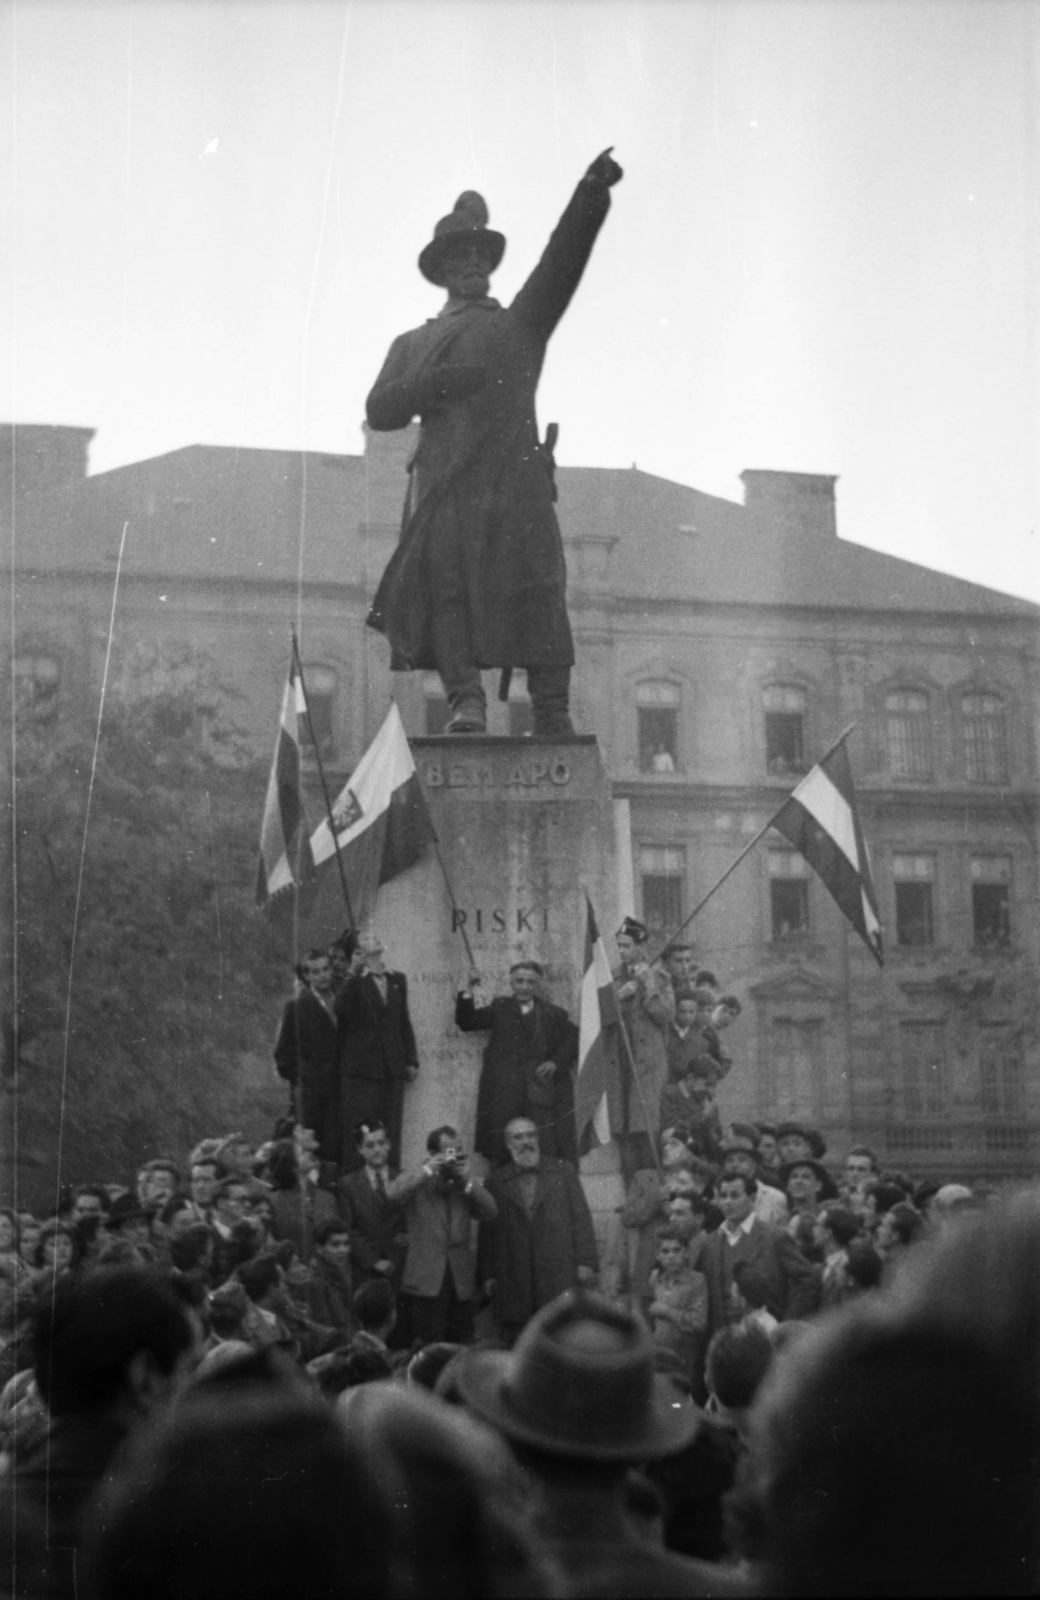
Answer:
(321, 684)
(985, 751)
(36, 683)
(784, 709)
(521, 717)
(991, 901)
(438, 712)
(657, 712)
(908, 733)
(662, 870)
(788, 895)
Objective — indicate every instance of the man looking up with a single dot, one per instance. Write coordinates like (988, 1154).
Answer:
(478, 577)
(542, 1241)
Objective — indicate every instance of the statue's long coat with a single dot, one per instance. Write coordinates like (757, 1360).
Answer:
(480, 465)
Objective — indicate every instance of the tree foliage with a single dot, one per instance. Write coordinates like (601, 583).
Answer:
(148, 986)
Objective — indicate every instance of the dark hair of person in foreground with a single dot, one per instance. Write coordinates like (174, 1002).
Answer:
(266, 1492)
(254, 1493)
(896, 1449)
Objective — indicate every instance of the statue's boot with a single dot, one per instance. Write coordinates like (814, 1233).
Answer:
(468, 710)
(550, 691)
(461, 680)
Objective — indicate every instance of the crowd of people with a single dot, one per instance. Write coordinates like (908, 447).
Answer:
(260, 1370)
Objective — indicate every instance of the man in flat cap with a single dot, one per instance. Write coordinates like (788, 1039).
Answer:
(528, 1064)
(478, 578)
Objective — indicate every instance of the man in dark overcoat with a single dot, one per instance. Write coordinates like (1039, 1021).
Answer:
(306, 1054)
(528, 1063)
(478, 579)
(542, 1240)
(378, 1055)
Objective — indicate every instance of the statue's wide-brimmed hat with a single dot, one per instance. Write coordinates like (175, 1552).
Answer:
(466, 223)
(580, 1383)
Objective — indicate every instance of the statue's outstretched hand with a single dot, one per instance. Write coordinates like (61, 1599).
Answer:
(606, 169)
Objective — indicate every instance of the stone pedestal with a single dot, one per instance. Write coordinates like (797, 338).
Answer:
(524, 826)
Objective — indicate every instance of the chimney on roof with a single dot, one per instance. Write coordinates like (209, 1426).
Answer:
(796, 505)
(40, 458)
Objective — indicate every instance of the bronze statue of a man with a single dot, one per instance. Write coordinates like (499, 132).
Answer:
(478, 578)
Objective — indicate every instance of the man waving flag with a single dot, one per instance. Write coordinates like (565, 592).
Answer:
(822, 822)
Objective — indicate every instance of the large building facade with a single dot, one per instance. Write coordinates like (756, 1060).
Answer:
(721, 649)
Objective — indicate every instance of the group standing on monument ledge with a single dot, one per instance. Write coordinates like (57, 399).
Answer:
(301, 1369)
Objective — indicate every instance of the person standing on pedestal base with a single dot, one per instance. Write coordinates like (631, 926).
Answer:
(478, 579)
(377, 1050)
(527, 1065)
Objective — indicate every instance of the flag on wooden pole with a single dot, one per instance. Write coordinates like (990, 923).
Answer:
(597, 1011)
(285, 857)
(821, 820)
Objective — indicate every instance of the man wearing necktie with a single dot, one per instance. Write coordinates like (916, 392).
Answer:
(378, 1055)
(528, 1064)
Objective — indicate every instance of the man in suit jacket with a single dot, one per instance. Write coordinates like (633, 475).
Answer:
(306, 1054)
(793, 1281)
(377, 1049)
(542, 1241)
(527, 1065)
(373, 1209)
(440, 1271)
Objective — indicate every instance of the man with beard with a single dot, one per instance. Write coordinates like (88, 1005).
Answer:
(542, 1241)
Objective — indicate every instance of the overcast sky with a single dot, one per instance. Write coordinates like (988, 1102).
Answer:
(823, 256)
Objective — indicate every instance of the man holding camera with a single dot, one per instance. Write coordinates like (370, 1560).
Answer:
(439, 1276)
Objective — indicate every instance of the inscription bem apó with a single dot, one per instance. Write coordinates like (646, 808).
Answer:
(496, 774)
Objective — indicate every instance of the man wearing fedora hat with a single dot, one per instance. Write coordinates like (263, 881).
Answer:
(808, 1185)
(580, 1403)
(478, 577)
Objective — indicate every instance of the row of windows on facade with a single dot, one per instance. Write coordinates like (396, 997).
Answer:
(907, 732)
(918, 1080)
(908, 722)
(663, 874)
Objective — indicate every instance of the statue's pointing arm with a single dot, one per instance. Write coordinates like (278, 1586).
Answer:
(547, 293)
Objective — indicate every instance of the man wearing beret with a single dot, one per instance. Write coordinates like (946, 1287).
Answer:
(528, 1063)
(478, 577)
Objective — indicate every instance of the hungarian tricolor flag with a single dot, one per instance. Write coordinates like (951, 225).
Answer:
(285, 858)
(380, 816)
(597, 1011)
(821, 820)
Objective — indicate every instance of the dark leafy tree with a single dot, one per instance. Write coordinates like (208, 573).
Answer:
(145, 984)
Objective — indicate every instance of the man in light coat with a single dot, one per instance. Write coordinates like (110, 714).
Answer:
(443, 1199)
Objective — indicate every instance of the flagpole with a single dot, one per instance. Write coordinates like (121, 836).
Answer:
(458, 917)
(321, 773)
(623, 1027)
(699, 907)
